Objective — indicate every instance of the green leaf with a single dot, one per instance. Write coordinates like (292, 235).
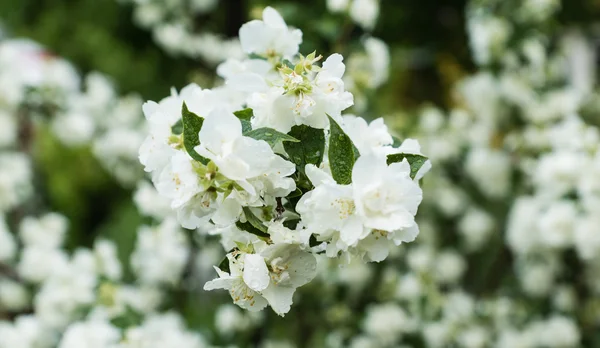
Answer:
(253, 224)
(128, 319)
(254, 220)
(177, 128)
(291, 223)
(313, 242)
(256, 56)
(248, 227)
(341, 154)
(245, 114)
(309, 149)
(397, 142)
(415, 161)
(270, 135)
(224, 265)
(245, 117)
(192, 124)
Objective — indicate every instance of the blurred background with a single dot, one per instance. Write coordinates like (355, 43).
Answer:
(501, 94)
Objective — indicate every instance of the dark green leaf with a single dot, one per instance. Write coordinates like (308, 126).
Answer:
(254, 220)
(224, 264)
(270, 135)
(309, 150)
(177, 128)
(192, 124)
(291, 224)
(415, 161)
(341, 154)
(256, 56)
(245, 116)
(246, 226)
(253, 224)
(397, 142)
(313, 242)
(289, 64)
(128, 319)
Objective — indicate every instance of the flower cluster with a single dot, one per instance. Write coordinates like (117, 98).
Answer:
(269, 163)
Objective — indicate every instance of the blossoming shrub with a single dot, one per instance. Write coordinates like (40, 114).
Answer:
(268, 162)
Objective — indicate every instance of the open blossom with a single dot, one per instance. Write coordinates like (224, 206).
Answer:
(293, 98)
(93, 334)
(271, 36)
(263, 163)
(270, 276)
(380, 204)
(242, 158)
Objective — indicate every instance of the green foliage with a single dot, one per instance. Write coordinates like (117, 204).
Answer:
(309, 150)
(253, 224)
(245, 116)
(271, 136)
(415, 161)
(342, 154)
(192, 124)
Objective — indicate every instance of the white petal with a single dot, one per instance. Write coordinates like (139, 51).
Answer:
(219, 128)
(280, 298)
(273, 19)
(256, 274)
(317, 176)
(248, 82)
(219, 283)
(254, 37)
(227, 213)
(334, 65)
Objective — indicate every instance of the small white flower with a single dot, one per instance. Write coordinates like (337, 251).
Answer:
(271, 36)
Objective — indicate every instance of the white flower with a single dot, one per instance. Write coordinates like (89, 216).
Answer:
(108, 264)
(379, 205)
(14, 296)
(450, 266)
(68, 290)
(557, 224)
(385, 196)
(8, 129)
(368, 138)
(587, 238)
(271, 36)
(149, 202)
(47, 231)
(15, 179)
(74, 128)
(160, 253)
(557, 331)
(558, 172)
(491, 171)
(251, 163)
(252, 284)
(487, 36)
(92, 334)
(24, 332)
(365, 13)
(378, 53)
(337, 5)
(242, 294)
(386, 323)
(39, 263)
(475, 227)
(162, 331)
(323, 95)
